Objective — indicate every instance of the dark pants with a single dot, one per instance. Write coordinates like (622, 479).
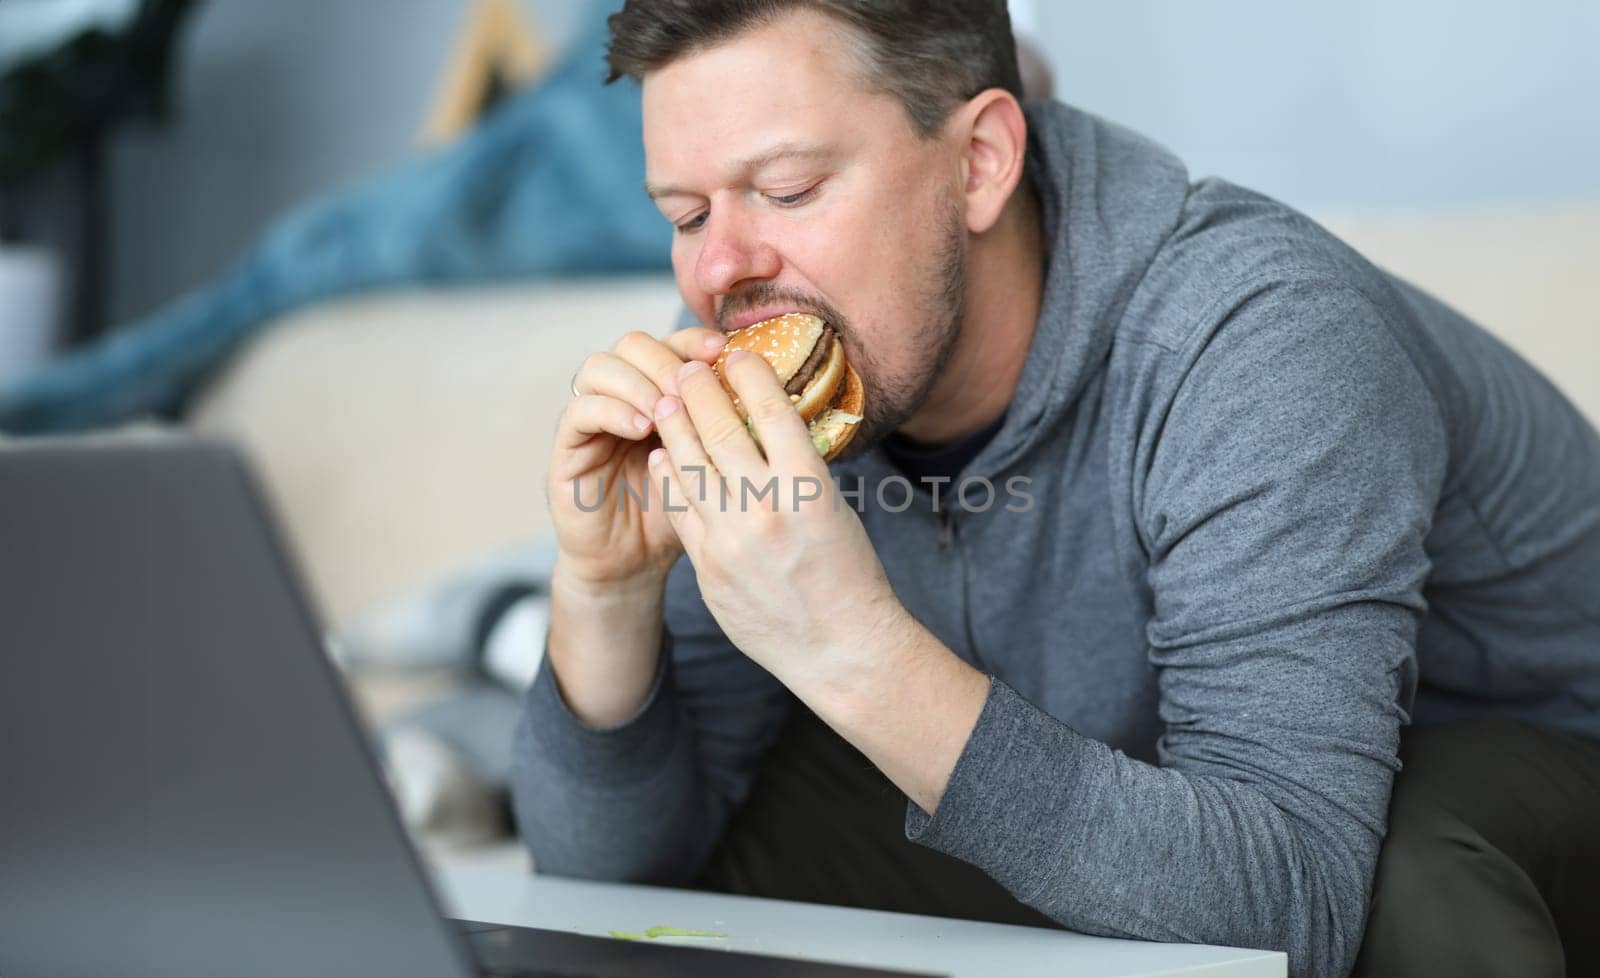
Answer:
(1491, 866)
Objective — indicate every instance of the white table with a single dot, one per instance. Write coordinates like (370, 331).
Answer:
(959, 948)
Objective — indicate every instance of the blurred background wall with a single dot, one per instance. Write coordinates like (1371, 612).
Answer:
(1351, 106)
(1359, 104)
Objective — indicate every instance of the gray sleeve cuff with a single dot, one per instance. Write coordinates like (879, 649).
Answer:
(634, 750)
(994, 785)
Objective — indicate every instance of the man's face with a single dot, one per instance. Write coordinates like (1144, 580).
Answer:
(794, 187)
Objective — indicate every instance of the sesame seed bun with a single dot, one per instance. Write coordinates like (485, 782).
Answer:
(785, 342)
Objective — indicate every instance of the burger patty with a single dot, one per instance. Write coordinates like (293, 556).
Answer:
(819, 354)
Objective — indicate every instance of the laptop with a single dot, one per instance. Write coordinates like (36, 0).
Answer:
(185, 789)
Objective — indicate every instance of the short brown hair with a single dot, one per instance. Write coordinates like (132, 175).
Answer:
(931, 54)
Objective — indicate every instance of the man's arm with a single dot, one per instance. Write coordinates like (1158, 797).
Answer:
(1284, 511)
(643, 799)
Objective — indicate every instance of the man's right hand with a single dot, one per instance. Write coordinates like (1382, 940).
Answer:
(604, 437)
(607, 589)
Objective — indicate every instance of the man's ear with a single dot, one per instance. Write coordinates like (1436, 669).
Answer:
(994, 135)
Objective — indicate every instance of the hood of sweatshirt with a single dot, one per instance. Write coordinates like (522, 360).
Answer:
(1109, 199)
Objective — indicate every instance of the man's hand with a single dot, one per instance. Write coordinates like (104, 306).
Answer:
(602, 440)
(784, 565)
(614, 549)
(794, 581)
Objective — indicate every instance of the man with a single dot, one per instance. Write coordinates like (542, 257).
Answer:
(1255, 505)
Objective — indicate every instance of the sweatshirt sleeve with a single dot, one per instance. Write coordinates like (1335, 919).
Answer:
(1283, 507)
(647, 800)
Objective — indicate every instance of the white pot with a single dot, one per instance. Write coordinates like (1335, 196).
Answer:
(30, 308)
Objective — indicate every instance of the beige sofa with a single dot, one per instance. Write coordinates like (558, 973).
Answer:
(405, 436)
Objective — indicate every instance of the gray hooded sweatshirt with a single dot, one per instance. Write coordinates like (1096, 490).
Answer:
(1278, 504)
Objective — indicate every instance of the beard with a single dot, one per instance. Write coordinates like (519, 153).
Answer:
(891, 397)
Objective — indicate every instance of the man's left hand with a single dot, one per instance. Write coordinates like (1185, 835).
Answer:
(784, 563)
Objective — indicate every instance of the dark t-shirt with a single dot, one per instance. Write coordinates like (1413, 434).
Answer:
(917, 461)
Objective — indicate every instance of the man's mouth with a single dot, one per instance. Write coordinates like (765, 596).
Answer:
(760, 315)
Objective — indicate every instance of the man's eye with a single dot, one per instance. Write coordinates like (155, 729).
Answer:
(794, 200)
(693, 224)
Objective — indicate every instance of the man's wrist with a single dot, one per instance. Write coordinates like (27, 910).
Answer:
(842, 676)
(601, 591)
(604, 642)
(904, 699)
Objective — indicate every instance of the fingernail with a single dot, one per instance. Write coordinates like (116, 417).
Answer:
(689, 368)
(739, 355)
(641, 422)
(716, 341)
(666, 406)
(657, 456)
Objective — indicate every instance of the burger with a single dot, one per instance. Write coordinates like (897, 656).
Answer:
(808, 358)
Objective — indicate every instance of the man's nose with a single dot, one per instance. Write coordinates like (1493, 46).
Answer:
(732, 253)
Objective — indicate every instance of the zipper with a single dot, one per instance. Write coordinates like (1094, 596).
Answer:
(947, 542)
